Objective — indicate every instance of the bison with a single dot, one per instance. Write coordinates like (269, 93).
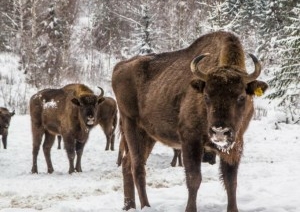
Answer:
(5, 117)
(208, 157)
(176, 157)
(69, 114)
(196, 98)
(107, 117)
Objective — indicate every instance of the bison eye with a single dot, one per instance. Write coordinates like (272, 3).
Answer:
(241, 99)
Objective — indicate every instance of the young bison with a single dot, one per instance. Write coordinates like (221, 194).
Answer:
(5, 117)
(57, 112)
(106, 116)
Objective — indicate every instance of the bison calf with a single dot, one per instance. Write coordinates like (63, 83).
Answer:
(5, 117)
(107, 119)
(69, 114)
(106, 115)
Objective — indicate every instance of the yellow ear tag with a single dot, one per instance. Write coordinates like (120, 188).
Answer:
(258, 91)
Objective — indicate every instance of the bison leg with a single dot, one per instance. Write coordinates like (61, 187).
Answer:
(179, 157)
(122, 149)
(79, 150)
(107, 141)
(108, 131)
(112, 142)
(48, 143)
(37, 140)
(59, 141)
(192, 151)
(174, 160)
(229, 176)
(140, 146)
(70, 149)
(129, 194)
(4, 140)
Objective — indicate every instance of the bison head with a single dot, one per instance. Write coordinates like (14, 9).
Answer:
(88, 107)
(226, 92)
(5, 117)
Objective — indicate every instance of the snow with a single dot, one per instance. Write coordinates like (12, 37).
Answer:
(51, 104)
(268, 180)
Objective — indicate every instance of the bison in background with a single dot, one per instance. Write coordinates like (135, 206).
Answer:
(106, 116)
(69, 114)
(5, 117)
(197, 98)
(107, 119)
(176, 158)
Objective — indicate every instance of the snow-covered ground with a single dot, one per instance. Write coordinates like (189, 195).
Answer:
(268, 181)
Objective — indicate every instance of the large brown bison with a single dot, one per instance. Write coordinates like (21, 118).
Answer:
(5, 117)
(106, 116)
(197, 98)
(71, 115)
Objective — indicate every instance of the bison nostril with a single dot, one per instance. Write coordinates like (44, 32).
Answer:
(228, 133)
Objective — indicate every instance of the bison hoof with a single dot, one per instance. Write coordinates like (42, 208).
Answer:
(34, 170)
(50, 171)
(71, 171)
(129, 204)
(79, 170)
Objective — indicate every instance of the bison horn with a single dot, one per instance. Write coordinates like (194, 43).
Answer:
(256, 73)
(195, 69)
(102, 91)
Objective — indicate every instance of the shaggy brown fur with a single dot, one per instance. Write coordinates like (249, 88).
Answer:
(160, 99)
(5, 117)
(57, 112)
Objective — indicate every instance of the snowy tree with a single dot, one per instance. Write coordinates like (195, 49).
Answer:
(226, 15)
(285, 83)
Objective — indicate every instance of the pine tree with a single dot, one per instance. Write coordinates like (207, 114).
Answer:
(286, 83)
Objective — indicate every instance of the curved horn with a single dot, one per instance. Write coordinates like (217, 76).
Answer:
(195, 69)
(257, 70)
(102, 92)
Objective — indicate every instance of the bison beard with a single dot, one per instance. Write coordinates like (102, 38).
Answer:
(207, 103)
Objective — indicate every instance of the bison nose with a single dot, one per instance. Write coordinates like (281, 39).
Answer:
(91, 118)
(220, 133)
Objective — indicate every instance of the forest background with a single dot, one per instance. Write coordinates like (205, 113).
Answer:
(51, 43)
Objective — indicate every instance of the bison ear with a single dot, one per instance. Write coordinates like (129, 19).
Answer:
(100, 100)
(198, 85)
(12, 113)
(256, 87)
(75, 101)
